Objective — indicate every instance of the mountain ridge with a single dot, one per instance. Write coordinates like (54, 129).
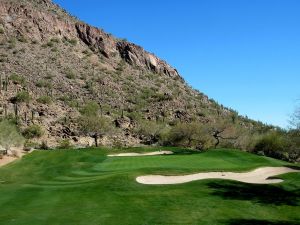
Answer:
(54, 56)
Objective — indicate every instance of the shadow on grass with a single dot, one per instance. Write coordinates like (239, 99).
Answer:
(294, 167)
(259, 222)
(184, 151)
(264, 194)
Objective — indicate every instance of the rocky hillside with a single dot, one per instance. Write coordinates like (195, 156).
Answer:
(52, 64)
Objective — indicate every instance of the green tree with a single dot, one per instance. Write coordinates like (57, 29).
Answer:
(223, 130)
(191, 135)
(151, 130)
(92, 124)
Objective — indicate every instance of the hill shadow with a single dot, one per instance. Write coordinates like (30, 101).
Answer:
(263, 194)
(259, 222)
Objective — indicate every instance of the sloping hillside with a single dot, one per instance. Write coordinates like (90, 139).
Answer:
(52, 64)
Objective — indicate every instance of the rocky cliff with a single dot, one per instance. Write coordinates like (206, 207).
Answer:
(62, 63)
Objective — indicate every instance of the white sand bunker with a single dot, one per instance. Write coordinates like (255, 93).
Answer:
(142, 154)
(258, 176)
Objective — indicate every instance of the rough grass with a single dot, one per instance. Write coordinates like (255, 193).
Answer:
(86, 187)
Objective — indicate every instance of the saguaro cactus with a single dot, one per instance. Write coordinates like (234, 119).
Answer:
(6, 83)
(5, 110)
(32, 115)
(25, 117)
(16, 108)
(0, 82)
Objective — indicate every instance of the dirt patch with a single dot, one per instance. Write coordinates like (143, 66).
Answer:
(8, 158)
(258, 176)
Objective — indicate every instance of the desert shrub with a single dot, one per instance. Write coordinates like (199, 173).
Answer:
(49, 76)
(17, 79)
(22, 96)
(160, 97)
(2, 58)
(192, 135)
(247, 141)
(21, 38)
(10, 135)
(65, 144)
(89, 85)
(43, 84)
(135, 115)
(294, 151)
(94, 125)
(55, 40)
(1, 30)
(50, 44)
(68, 100)
(55, 49)
(146, 94)
(45, 100)
(64, 98)
(70, 74)
(118, 144)
(44, 146)
(272, 144)
(150, 131)
(72, 41)
(30, 144)
(12, 43)
(87, 53)
(90, 109)
(33, 131)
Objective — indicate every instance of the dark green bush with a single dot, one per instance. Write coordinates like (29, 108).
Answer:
(45, 100)
(65, 144)
(70, 74)
(43, 84)
(17, 79)
(55, 40)
(33, 131)
(72, 41)
(22, 96)
(50, 44)
(22, 39)
(273, 145)
(44, 146)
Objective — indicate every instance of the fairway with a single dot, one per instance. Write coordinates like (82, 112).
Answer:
(87, 187)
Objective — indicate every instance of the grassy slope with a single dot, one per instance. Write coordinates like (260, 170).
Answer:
(86, 187)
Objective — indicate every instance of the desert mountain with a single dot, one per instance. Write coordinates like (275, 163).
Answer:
(52, 64)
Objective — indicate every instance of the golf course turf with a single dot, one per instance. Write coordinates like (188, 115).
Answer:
(85, 187)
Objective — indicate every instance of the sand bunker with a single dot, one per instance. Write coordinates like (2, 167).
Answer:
(142, 154)
(258, 176)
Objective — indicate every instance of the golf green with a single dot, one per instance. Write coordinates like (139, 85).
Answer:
(85, 187)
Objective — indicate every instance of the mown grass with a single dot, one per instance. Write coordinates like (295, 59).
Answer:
(86, 187)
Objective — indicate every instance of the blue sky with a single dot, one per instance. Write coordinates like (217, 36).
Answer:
(243, 53)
